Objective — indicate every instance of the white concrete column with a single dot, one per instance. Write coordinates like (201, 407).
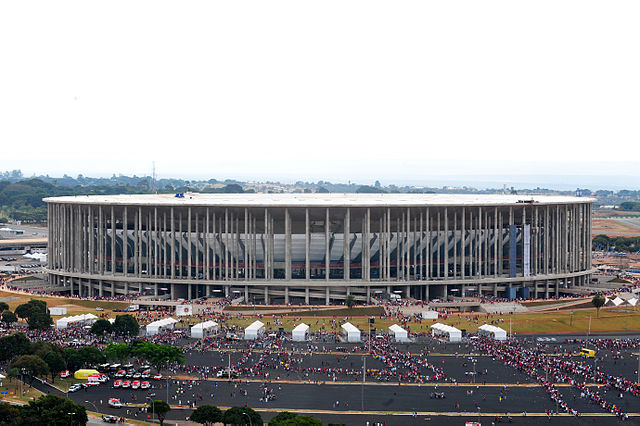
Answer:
(327, 253)
(287, 246)
(307, 246)
(347, 249)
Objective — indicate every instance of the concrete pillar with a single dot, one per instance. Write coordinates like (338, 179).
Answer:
(189, 243)
(286, 294)
(246, 294)
(287, 244)
(368, 294)
(100, 288)
(558, 287)
(246, 245)
(306, 295)
(407, 291)
(327, 297)
(446, 243)
(307, 246)
(266, 295)
(426, 293)
(113, 241)
(347, 249)
(327, 253)
(173, 249)
(189, 296)
(125, 242)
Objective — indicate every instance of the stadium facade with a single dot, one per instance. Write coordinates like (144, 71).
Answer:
(319, 248)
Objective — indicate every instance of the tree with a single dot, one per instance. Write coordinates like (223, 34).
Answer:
(101, 327)
(160, 408)
(126, 325)
(157, 355)
(285, 418)
(4, 306)
(73, 359)
(40, 321)
(9, 415)
(91, 355)
(54, 410)
(206, 414)
(238, 416)
(14, 345)
(9, 317)
(55, 362)
(598, 302)
(117, 351)
(32, 365)
(350, 301)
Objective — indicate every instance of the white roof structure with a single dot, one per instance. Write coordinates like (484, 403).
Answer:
(351, 332)
(399, 333)
(84, 319)
(160, 326)
(254, 330)
(317, 200)
(57, 310)
(496, 333)
(453, 334)
(633, 301)
(204, 329)
(300, 333)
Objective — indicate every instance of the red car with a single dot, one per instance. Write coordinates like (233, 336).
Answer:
(145, 385)
(117, 383)
(126, 384)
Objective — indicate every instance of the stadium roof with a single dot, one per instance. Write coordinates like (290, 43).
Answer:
(317, 200)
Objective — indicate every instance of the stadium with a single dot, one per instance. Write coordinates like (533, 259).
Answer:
(319, 248)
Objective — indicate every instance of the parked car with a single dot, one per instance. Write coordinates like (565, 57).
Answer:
(120, 373)
(117, 383)
(126, 384)
(157, 377)
(110, 419)
(145, 385)
(135, 384)
(65, 374)
(75, 388)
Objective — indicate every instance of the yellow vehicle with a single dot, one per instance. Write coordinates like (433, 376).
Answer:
(587, 353)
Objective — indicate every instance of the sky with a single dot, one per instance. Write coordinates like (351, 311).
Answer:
(401, 92)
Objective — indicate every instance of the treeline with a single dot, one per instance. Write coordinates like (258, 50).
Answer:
(622, 244)
(23, 200)
(630, 206)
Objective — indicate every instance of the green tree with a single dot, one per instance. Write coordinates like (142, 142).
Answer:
(350, 301)
(9, 317)
(117, 351)
(23, 311)
(285, 418)
(598, 302)
(53, 410)
(73, 359)
(14, 345)
(206, 415)
(9, 415)
(55, 362)
(91, 355)
(4, 306)
(160, 409)
(101, 327)
(40, 321)
(157, 355)
(32, 365)
(126, 325)
(238, 416)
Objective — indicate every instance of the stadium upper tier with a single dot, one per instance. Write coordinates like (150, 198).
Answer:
(304, 247)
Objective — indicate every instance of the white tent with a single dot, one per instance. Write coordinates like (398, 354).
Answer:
(253, 331)
(492, 331)
(86, 319)
(300, 333)
(398, 333)
(430, 315)
(351, 332)
(633, 301)
(160, 326)
(57, 310)
(204, 329)
(453, 334)
(617, 301)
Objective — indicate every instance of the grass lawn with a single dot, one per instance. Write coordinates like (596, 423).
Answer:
(13, 389)
(75, 306)
(545, 322)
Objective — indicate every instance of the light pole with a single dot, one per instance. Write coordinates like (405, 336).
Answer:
(94, 406)
(71, 418)
(249, 417)
(153, 410)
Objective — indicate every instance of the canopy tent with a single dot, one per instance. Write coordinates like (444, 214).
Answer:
(399, 334)
(85, 319)
(351, 332)
(300, 333)
(492, 331)
(453, 334)
(160, 326)
(57, 310)
(430, 315)
(204, 329)
(254, 330)
(633, 301)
